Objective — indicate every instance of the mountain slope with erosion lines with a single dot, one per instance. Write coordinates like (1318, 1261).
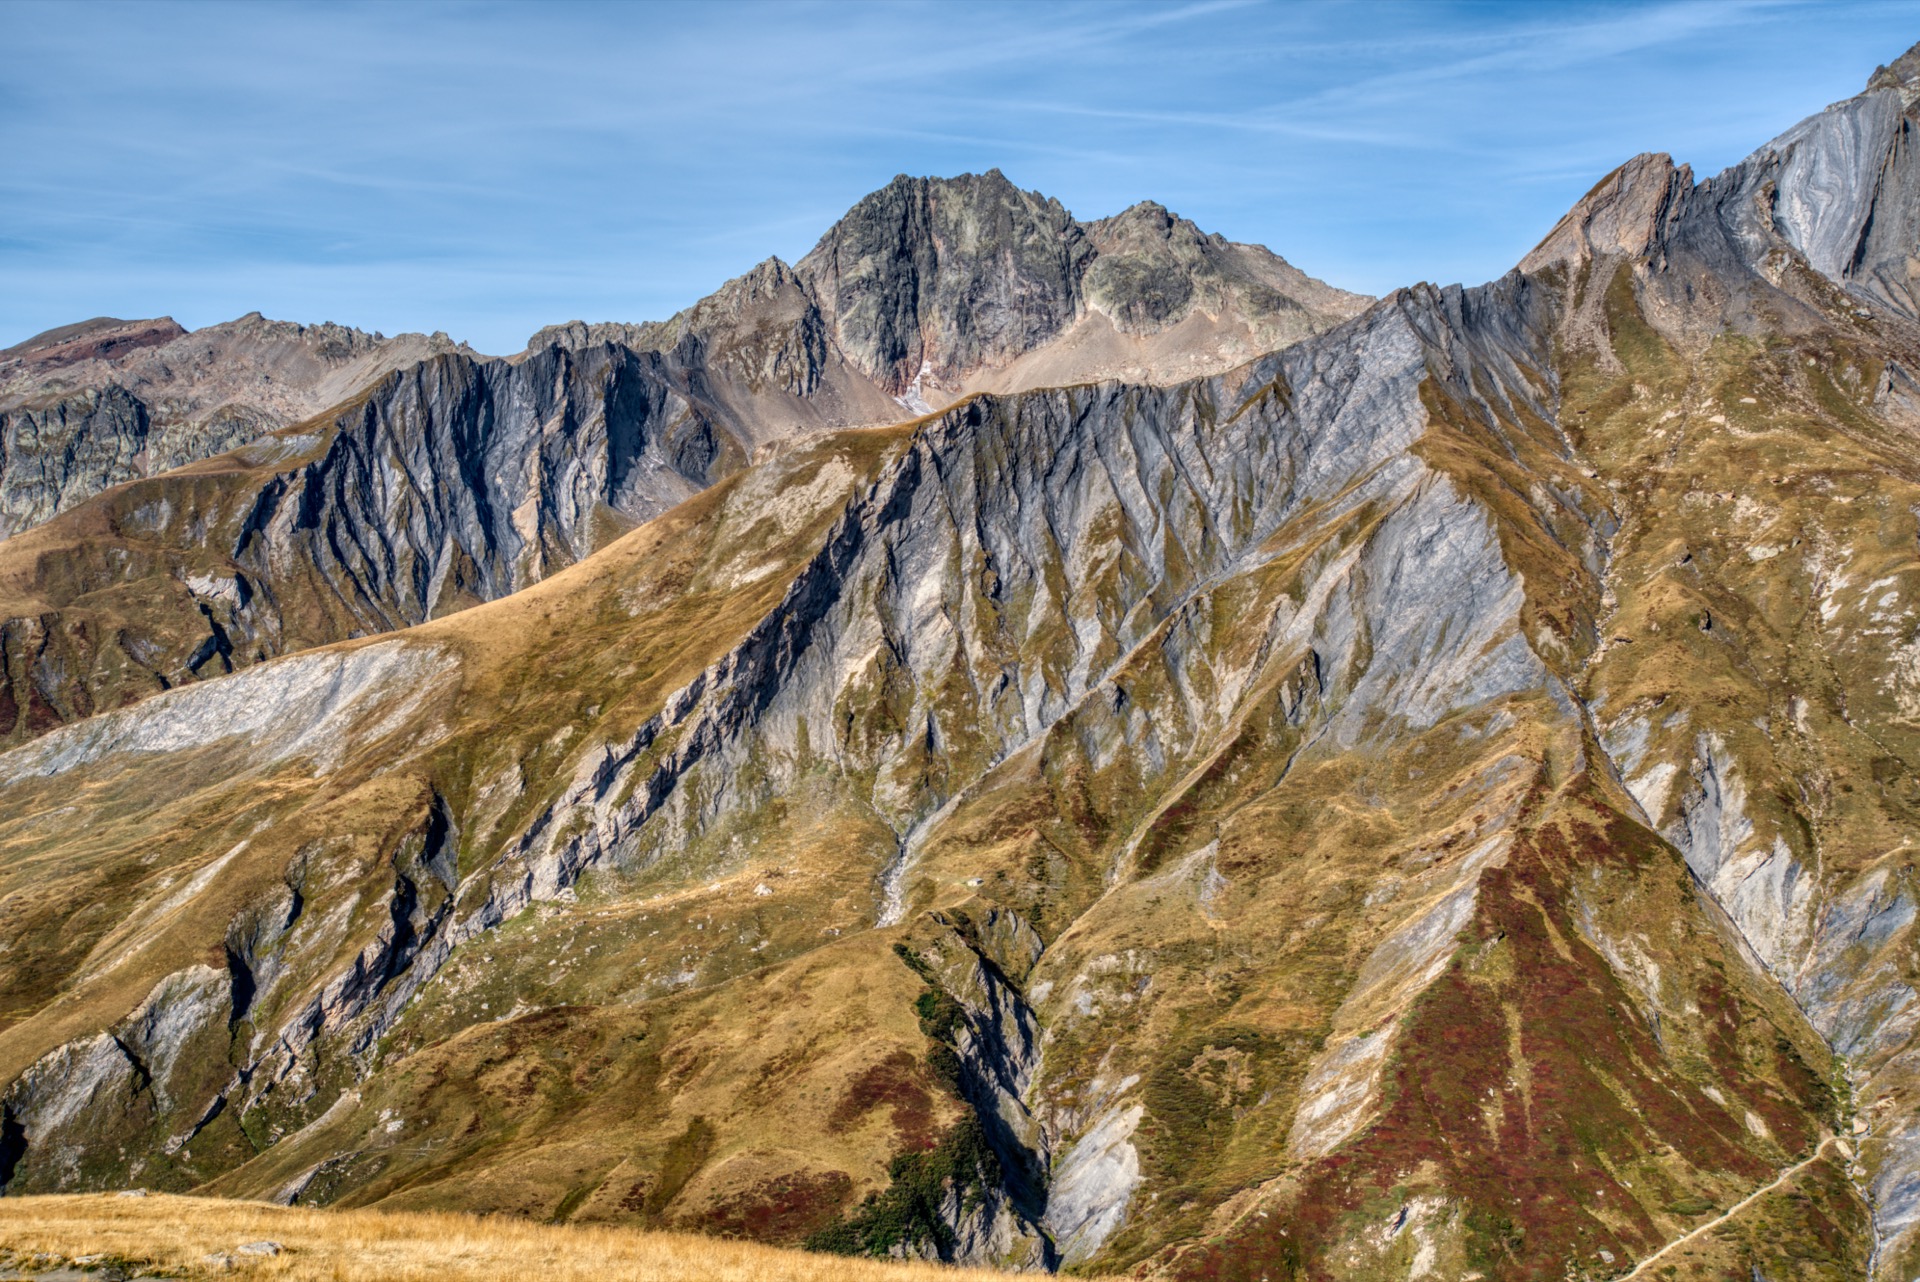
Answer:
(1430, 801)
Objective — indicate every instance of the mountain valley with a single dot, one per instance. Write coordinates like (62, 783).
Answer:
(1032, 744)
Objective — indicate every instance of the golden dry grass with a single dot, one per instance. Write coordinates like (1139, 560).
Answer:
(175, 1236)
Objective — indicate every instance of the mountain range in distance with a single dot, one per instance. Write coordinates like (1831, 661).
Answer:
(1036, 744)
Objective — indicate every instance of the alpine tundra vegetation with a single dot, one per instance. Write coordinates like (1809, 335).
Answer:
(1009, 741)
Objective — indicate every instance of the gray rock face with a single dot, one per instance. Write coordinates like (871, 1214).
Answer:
(104, 402)
(1846, 189)
(761, 330)
(1826, 173)
(453, 482)
(1045, 579)
(1029, 490)
(460, 481)
(760, 349)
(72, 1099)
(1196, 476)
(1839, 192)
(998, 1048)
(929, 284)
(951, 274)
(300, 708)
(1093, 1185)
(61, 452)
(1153, 269)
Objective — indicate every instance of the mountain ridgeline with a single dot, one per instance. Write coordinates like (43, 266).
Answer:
(933, 288)
(92, 405)
(1024, 742)
(458, 478)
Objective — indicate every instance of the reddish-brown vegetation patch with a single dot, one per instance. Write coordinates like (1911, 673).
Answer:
(1525, 1091)
(897, 1083)
(783, 1210)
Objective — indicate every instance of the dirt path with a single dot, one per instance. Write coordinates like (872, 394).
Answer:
(1730, 1212)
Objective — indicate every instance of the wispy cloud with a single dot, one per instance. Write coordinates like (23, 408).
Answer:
(490, 167)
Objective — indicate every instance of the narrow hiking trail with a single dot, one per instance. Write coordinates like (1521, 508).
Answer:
(1731, 1211)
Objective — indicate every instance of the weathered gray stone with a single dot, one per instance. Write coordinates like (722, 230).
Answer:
(98, 404)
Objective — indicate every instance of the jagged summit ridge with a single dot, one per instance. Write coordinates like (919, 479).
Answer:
(946, 275)
(932, 287)
(1901, 75)
(90, 406)
(771, 357)
(1838, 189)
(1433, 801)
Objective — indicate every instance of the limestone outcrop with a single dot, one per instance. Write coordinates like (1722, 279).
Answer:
(1434, 799)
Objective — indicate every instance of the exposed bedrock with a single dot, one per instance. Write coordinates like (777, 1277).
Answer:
(428, 478)
(1806, 248)
(1089, 529)
(453, 482)
(1413, 805)
(90, 406)
(929, 285)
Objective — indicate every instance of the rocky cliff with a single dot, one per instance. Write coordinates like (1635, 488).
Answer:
(452, 482)
(1739, 376)
(444, 484)
(90, 406)
(933, 288)
(1432, 801)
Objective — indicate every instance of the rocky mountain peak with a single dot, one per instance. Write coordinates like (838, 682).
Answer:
(1837, 194)
(939, 276)
(763, 281)
(1620, 215)
(1153, 269)
(1148, 217)
(96, 404)
(765, 278)
(332, 343)
(102, 338)
(1426, 796)
(1901, 75)
(576, 334)
(929, 289)
(1150, 225)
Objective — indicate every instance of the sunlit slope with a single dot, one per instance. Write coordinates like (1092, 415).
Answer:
(201, 1237)
(287, 893)
(1429, 802)
(452, 482)
(439, 479)
(1169, 737)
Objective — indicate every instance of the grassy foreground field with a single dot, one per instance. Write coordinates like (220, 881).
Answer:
(196, 1237)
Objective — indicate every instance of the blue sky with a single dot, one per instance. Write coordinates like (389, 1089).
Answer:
(489, 168)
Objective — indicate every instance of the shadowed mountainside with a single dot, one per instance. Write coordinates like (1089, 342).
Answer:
(456, 479)
(1432, 801)
(92, 405)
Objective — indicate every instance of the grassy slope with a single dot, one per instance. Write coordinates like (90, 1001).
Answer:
(70, 646)
(1219, 998)
(176, 1235)
(561, 1067)
(1762, 590)
(1314, 850)
(611, 638)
